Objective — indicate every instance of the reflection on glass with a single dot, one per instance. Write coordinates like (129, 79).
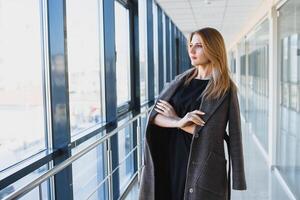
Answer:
(164, 47)
(288, 160)
(83, 25)
(258, 56)
(243, 85)
(123, 53)
(22, 116)
(125, 146)
(155, 48)
(33, 194)
(143, 134)
(142, 51)
(232, 61)
(89, 173)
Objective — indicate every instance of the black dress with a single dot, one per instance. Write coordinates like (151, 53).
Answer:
(185, 99)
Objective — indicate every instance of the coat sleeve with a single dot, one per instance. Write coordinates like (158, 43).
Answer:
(236, 145)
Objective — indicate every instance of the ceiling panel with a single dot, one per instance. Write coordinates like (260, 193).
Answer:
(228, 16)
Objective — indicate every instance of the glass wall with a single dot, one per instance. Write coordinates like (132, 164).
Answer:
(143, 50)
(53, 95)
(122, 53)
(258, 94)
(89, 180)
(288, 147)
(21, 82)
(23, 116)
(232, 64)
(155, 49)
(243, 71)
(164, 47)
(126, 154)
(84, 66)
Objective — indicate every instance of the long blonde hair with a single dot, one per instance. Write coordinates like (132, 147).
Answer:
(214, 49)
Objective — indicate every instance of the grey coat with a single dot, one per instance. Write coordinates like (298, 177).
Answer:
(206, 177)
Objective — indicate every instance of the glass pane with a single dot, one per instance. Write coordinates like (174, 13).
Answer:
(21, 82)
(126, 155)
(258, 43)
(288, 160)
(83, 25)
(34, 194)
(243, 85)
(123, 53)
(143, 50)
(155, 48)
(88, 179)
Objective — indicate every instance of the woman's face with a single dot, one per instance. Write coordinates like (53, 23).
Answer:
(196, 51)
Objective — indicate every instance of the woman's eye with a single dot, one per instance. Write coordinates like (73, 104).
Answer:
(197, 45)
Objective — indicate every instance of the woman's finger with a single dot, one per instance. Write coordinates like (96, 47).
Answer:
(196, 121)
(159, 111)
(160, 107)
(195, 117)
(198, 112)
(165, 105)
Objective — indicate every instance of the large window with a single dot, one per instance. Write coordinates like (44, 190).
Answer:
(84, 66)
(122, 53)
(143, 50)
(22, 112)
(23, 118)
(164, 47)
(288, 152)
(232, 64)
(243, 85)
(89, 179)
(258, 69)
(155, 48)
(125, 154)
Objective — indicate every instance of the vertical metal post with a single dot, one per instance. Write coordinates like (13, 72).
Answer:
(139, 153)
(40, 192)
(109, 170)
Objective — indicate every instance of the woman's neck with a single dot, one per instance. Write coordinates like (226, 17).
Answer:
(203, 72)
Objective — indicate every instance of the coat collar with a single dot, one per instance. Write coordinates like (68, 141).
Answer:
(208, 107)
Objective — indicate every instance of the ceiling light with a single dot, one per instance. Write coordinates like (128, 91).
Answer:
(207, 1)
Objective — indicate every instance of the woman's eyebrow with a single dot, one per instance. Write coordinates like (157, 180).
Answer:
(196, 43)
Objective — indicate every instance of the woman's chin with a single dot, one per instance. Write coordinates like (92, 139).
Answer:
(194, 63)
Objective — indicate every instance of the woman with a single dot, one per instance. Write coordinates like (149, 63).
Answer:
(184, 149)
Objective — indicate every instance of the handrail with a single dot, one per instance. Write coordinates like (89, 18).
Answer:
(31, 185)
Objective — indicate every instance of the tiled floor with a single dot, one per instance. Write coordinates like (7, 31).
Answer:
(261, 182)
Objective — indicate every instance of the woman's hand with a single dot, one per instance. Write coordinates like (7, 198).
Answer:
(165, 108)
(191, 119)
(189, 128)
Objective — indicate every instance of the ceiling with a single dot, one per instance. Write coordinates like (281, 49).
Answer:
(227, 16)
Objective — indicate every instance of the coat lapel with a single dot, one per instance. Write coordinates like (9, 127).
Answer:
(209, 107)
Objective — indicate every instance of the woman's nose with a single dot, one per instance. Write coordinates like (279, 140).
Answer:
(192, 50)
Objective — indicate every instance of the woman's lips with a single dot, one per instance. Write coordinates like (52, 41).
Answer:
(194, 58)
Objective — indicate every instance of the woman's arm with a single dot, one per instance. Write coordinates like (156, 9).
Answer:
(173, 122)
(164, 121)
